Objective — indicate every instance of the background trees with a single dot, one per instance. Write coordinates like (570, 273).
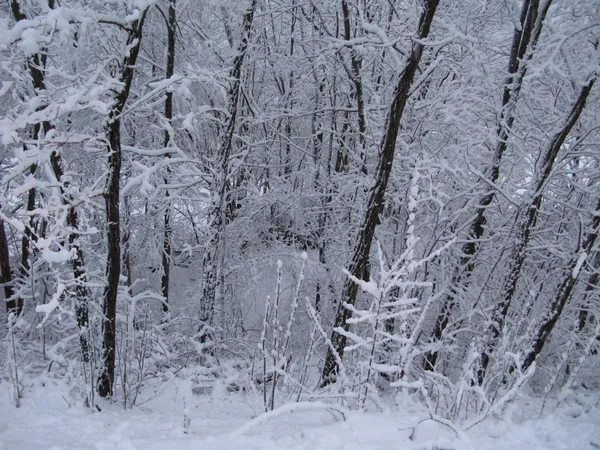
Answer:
(239, 134)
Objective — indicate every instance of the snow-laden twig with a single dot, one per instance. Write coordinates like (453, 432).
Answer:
(263, 347)
(54, 304)
(275, 348)
(288, 331)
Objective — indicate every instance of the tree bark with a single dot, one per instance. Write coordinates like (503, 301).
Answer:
(592, 284)
(77, 262)
(355, 76)
(375, 203)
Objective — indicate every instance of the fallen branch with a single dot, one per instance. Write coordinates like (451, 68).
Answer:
(289, 408)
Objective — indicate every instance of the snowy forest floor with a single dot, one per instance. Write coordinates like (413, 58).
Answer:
(50, 418)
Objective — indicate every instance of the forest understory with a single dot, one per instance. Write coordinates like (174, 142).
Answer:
(293, 220)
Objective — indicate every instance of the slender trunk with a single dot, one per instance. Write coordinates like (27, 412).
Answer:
(563, 293)
(356, 78)
(592, 284)
(166, 255)
(111, 197)
(289, 104)
(215, 254)
(317, 141)
(77, 262)
(28, 232)
(341, 158)
(358, 264)
(35, 66)
(14, 305)
(126, 245)
(524, 42)
(523, 235)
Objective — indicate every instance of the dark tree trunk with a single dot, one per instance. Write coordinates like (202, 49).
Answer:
(355, 76)
(28, 232)
(113, 269)
(13, 305)
(111, 197)
(563, 293)
(166, 255)
(523, 45)
(358, 263)
(37, 74)
(592, 284)
(77, 263)
(35, 65)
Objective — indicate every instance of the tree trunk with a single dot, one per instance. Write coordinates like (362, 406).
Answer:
(166, 255)
(35, 64)
(13, 305)
(111, 197)
(375, 203)
(77, 262)
(37, 74)
(355, 77)
(563, 293)
(214, 257)
(592, 284)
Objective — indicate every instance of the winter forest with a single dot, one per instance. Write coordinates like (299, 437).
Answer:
(336, 205)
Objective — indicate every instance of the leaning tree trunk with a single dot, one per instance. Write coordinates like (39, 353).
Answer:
(213, 279)
(523, 233)
(375, 203)
(111, 197)
(524, 42)
(563, 293)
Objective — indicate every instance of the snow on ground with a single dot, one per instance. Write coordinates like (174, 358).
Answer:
(49, 418)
